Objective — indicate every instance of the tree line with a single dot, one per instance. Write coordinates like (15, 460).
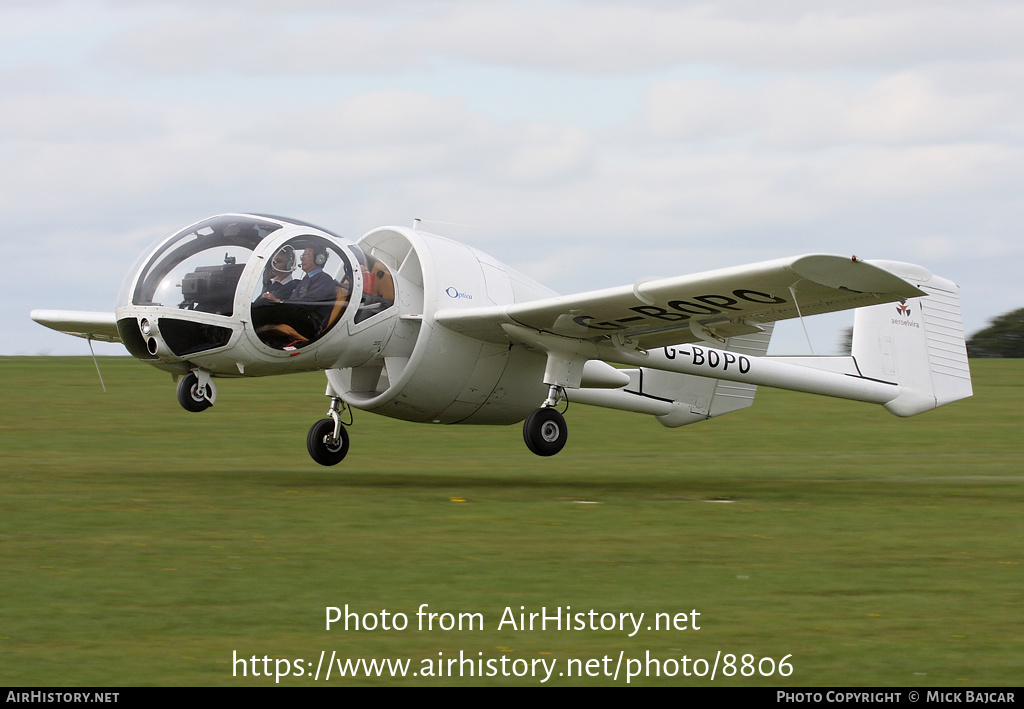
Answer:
(1003, 338)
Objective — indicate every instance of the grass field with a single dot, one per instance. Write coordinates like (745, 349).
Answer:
(142, 545)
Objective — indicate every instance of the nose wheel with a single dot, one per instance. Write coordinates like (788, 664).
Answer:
(196, 392)
(545, 431)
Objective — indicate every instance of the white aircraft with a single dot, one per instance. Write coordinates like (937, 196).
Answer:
(419, 327)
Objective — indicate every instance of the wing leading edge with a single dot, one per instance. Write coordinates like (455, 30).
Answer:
(712, 305)
(90, 325)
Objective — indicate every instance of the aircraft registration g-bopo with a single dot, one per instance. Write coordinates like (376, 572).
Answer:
(419, 327)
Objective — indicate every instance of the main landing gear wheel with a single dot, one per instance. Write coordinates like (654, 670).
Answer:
(322, 446)
(193, 397)
(545, 431)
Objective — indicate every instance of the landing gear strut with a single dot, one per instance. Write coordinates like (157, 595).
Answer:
(545, 430)
(327, 441)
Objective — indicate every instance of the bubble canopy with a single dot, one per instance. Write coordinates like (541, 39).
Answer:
(199, 267)
(292, 281)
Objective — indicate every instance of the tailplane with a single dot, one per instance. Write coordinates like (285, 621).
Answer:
(678, 399)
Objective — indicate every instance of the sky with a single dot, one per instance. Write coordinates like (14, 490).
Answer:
(585, 143)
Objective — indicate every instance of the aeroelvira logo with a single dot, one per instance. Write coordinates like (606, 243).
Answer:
(454, 293)
(904, 310)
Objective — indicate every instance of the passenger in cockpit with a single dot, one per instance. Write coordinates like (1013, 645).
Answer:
(281, 283)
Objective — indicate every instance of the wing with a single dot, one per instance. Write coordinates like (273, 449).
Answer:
(80, 323)
(713, 305)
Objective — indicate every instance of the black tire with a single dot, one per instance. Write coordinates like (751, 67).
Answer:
(545, 432)
(191, 396)
(319, 444)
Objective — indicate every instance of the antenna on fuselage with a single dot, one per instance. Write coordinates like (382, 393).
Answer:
(416, 223)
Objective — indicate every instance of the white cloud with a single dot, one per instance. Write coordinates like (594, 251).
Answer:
(593, 142)
(63, 118)
(565, 37)
(802, 114)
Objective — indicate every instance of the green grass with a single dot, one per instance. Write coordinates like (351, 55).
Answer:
(142, 545)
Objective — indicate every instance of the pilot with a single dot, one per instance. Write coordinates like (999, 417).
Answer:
(281, 283)
(317, 286)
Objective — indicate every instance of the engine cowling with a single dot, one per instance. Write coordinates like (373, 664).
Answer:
(426, 372)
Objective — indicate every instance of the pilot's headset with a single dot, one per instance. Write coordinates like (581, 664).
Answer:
(287, 255)
(320, 258)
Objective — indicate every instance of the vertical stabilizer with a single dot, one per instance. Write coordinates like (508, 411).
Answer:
(917, 343)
